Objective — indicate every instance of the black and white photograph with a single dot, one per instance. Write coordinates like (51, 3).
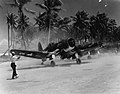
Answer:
(59, 46)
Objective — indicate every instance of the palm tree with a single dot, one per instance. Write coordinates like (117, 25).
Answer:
(8, 33)
(19, 4)
(117, 33)
(102, 23)
(50, 7)
(81, 25)
(57, 23)
(22, 18)
(63, 25)
(112, 29)
(93, 28)
(99, 26)
(11, 21)
(40, 21)
(23, 23)
(29, 34)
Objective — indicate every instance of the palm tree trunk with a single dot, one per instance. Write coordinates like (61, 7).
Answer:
(23, 40)
(49, 26)
(49, 35)
(8, 41)
(11, 37)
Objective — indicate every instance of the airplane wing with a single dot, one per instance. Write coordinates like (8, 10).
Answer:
(43, 55)
(90, 47)
(32, 54)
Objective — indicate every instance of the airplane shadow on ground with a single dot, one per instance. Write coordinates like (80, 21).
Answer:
(46, 65)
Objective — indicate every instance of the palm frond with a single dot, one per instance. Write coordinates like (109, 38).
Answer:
(57, 9)
(74, 18)
(16, 2)
(11, 4)
(41, 14)
(29, 11)
(58, 3)
(23, 2)
(42, 6)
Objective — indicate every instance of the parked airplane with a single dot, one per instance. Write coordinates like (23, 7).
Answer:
(65, 49)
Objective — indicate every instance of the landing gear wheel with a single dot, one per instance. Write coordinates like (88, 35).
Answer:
(89, 57)
(42, 63)
(52, 63)
(78, 61)
(18, 57)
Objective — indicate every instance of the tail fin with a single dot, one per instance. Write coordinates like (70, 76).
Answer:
(40, 47)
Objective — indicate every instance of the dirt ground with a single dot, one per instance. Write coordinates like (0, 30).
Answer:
(99, 75)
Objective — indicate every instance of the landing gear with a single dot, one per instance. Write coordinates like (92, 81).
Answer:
(78, 61)
(43, 60)
(42, 63)
(52, 63)
(89, 57)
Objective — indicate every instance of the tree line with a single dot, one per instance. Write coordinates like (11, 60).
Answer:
(81, 26)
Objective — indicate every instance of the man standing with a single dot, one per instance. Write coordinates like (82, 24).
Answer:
(13, 66)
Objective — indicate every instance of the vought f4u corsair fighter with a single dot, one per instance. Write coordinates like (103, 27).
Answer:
(65, 49)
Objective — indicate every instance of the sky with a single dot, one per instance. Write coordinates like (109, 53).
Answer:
(110, 7)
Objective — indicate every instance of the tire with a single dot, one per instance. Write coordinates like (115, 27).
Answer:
(52, 63)
(78, 61)
(42, 63)
(89, 57)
